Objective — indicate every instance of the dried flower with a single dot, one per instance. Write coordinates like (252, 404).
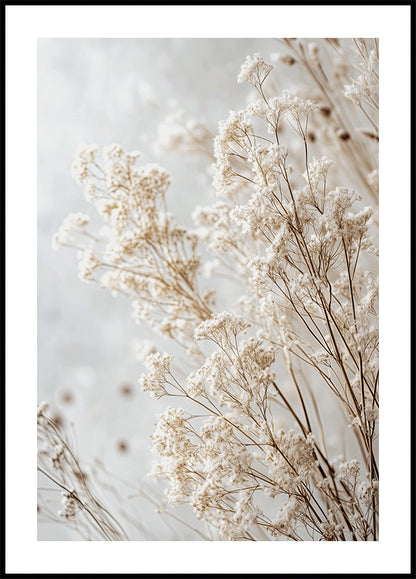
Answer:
(251, 449)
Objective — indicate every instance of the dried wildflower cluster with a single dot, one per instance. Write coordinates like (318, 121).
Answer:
(80, 507)
(141, 252)
(252, 448)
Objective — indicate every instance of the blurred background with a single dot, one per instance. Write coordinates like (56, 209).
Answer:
(107, 91)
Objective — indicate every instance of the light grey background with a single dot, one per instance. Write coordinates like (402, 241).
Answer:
(114, 91)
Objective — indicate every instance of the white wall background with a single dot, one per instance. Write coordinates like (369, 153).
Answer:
(105, 91)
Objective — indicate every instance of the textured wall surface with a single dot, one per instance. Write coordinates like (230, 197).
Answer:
(107, 91)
